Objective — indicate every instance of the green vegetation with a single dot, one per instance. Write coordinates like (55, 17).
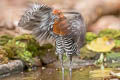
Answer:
(23, 47)
(106, 42)
(90, 36)
(107, 37)
(110, 33)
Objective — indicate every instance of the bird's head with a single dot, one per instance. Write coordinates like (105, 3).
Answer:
(58, 13)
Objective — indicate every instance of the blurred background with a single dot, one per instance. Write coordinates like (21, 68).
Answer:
(98, 14)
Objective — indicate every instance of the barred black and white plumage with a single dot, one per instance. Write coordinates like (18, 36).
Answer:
(67, 28)
(39, 19)
(66, 45)
(59, 46)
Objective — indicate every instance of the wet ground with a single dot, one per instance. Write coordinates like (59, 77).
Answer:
(50, 74)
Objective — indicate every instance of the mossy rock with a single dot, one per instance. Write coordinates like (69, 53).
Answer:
(4, 39)
(25, 47)
(88, 54)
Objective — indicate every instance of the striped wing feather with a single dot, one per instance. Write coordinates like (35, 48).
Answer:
(39, 19)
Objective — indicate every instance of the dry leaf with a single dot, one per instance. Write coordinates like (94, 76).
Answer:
(103, 44)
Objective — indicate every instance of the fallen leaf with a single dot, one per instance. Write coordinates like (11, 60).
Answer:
(102, 44)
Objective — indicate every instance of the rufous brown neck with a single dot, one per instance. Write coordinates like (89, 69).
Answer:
(60, 26)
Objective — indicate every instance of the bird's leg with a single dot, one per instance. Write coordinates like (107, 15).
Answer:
(70, 66)
(61, 61)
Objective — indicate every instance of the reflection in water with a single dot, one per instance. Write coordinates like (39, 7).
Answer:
(50, 74)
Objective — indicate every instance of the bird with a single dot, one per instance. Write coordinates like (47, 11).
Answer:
(67, 28)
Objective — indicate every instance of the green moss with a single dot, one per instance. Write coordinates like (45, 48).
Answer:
(110, 33)
(90, 36)
(87, 54)
(23, 47)
(113, 56)
(4, 39)
(45, 49)
(3, 56)
(117, 43)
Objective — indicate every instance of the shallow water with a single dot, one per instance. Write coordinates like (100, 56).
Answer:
(50, 74)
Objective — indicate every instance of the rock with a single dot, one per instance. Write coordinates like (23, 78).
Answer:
(11, 67)
(104, 22)
(93, 10)
(48, 58)
(11, 11)
(15, 9)
(47, 53)
(37, 62)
